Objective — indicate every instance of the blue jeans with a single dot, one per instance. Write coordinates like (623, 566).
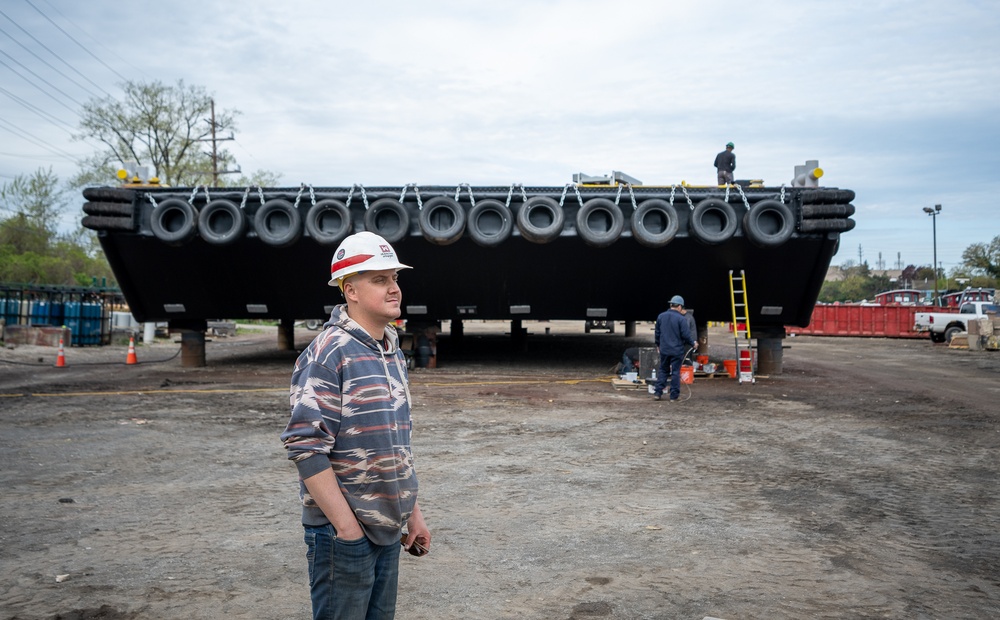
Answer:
(352, 579)
(669, 364)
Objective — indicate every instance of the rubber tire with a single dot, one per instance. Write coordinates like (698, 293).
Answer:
(936, 337)
(109, 194)
(437, 209)
(647, 209)
(951, 332)
(107, 222)
(821, 211)
(227, 213)
(379, 214)
(599, 238)
(827, 196)
(314, 325)
(713, 221)
(120, 209)
(275, 233)
(174, 221)
(832, 225)
(487, 211)
(768, 223)
(317, 217)
(533, 232)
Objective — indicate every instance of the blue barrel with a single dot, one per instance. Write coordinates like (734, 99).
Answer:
(56, 311)
(72, 320)
(8, 310)
(92, 322)
(38, 312)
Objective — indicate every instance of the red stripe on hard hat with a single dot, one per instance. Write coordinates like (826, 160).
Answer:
(349, 262)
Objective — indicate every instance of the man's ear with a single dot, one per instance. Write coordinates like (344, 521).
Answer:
(350, 293)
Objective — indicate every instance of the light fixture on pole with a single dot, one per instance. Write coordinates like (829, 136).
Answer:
(934, 213)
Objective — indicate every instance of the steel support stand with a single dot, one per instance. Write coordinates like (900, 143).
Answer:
(286, 335)
(769, 350)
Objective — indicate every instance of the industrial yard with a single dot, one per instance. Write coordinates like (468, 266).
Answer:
(861, 482)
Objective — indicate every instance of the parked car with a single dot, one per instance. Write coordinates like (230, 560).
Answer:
(943, 326)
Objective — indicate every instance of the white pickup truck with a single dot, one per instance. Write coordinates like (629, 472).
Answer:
(944, 325)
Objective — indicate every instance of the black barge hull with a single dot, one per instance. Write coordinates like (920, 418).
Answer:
(244, 254)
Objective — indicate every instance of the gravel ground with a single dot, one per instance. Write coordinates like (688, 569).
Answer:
(861, 482)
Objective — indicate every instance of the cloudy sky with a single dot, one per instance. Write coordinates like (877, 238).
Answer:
(899, 101)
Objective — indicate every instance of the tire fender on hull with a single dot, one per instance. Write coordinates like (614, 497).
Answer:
(821, 211)
(221, 222)
(831, 225)
(388, 218)
(489, 223)
(328, 222)
(123, 209)
(655, 223)
(540, 219)
(713, 221)
(174, 221)
(107, 222)
(442, 220)
(278, 223)
(109, 194)
(599, 222)
(769, 223)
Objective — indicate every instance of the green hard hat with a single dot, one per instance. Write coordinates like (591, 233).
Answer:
(730, 145)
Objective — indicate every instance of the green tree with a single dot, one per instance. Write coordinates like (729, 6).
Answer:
(165, 127)
(983, 258)
(32, 251)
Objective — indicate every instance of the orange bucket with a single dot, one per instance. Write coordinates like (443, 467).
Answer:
(730, 368)
(702, 360)
(687, 374)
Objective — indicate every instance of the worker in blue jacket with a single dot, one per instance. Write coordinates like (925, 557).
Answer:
(673, 340)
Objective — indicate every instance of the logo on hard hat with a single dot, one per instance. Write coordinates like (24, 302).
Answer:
(385, 249)
(340, 253)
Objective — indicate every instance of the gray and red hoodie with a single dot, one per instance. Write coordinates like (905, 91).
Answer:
(351, 413)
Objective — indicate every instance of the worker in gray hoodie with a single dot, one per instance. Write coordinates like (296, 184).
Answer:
(349, 437)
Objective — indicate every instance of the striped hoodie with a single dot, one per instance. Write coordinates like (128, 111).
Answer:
(351, 412)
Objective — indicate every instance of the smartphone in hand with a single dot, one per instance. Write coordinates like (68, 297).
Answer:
(415, 549)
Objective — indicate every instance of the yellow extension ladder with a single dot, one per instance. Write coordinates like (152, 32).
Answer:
(741, 327)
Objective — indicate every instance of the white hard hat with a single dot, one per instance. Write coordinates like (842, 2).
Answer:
(363, 251)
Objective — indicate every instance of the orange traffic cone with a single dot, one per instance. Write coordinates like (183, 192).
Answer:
(131, 359)
(61, 358)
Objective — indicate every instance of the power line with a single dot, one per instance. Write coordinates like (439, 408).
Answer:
(47, 63)
(49, 19)
(93, 38)
(36, 141)
(37, 110)
(60, 58)
(62, 92)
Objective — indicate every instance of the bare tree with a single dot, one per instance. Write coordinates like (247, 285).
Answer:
(156, 125)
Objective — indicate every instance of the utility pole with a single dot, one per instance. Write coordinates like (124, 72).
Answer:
(215, 151)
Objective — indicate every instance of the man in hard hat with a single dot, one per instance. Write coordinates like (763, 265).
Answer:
(673, 339)
(349, 437)
(725, 164)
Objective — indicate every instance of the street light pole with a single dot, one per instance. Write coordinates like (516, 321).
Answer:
(934, 213)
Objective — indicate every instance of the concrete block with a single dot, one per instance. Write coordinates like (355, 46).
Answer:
(39, 336)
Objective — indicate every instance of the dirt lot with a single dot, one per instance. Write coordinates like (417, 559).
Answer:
(862, 482)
